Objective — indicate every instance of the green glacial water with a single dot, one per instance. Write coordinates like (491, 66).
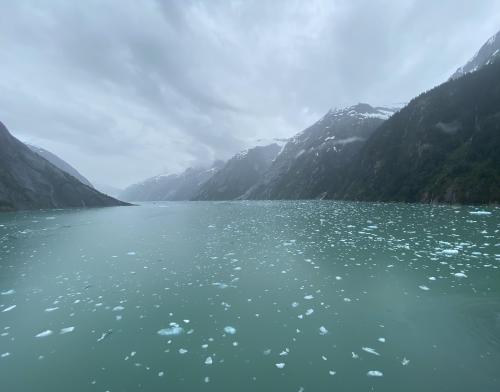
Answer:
(251, 296)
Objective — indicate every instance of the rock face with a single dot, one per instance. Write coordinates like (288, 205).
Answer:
(314, 161)
(28, 181)
(171, 187)
(488, 53)
(444, 146)
(61, 164)
(239, 174)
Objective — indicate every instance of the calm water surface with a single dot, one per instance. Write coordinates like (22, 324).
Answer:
(251, 296)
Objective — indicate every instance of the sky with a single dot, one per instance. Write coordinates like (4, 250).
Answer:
(124, 89)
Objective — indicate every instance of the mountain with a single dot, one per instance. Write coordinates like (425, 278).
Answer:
(28, 181)
(239, 174)
(171, 187)
(108, 190)
(314, 161)
(444, 146)
(488, 53)
(58, 162)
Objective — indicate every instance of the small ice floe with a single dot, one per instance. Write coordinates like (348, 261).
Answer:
(338, 277)
(309, 312)
(220, 285)
(131, 253)
(44, 334)
(267, 351)
(280, 365)
(459, 275)
(450, 252)
(295, 304)
(208, 361)
(370, 350)
(207, 380)
(381, 340)
(332, 372)
(374, 373)
(174, 330)
(8, 292)
(432, 278)
(230, 330)
(422, 287)
(9, 308)
(51, 309)
(161, 374)
(405, 361)
(308, 297)
(67, 330)
(118, 308)
(4, 355)
(323, 330)
(182, 351)
(105, 335)
(347, 299)
(480, 212)
(354, 355)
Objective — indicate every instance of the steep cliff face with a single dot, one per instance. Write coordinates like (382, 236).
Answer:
(314, 161)
(28, 181)
(444, 146)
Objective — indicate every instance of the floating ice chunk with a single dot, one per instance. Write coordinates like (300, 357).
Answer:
(332, 372)
(295, 304)
(450, 252)
(105, 335)
(338, 277)
(323, 330)
(370, 350)
(118, 308)
(422, 287)
(309, 312)
(5, 355)
(480, 213)
(9, 308)
(267, 351)
(460, 275)
(374, 373)
(160, 374)
(131, 253)
(347, 299)
(67, 330)
(44, 334)
(230, 330)
(172, 331)
(208, 361)
(182, 351)
(8, 292)
(220, 285)
(308, 297)
(280, 365)
(354, 355)
(207, 379)
(51, 309)
(405, 361)
(432, 278)
(381, 340)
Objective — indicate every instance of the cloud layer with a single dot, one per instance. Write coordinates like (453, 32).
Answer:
(124, 89)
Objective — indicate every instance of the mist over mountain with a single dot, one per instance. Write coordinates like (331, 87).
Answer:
(28, 181)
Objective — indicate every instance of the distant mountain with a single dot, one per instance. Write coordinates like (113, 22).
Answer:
(488, 53)
(109, 190)
(239, 174)
(58, 162)
(313, 162)
(28, 181)
(444, 146)
(172, 187)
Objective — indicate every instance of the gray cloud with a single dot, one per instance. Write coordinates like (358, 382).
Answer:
(124, 90)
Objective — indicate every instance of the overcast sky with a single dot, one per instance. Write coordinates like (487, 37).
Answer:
(127, 89)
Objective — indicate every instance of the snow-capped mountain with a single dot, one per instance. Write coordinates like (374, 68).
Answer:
(488, 53)
(240, 173)
(313, 160)
(171, 187)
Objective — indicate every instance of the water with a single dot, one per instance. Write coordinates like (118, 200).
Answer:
(246, 296)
